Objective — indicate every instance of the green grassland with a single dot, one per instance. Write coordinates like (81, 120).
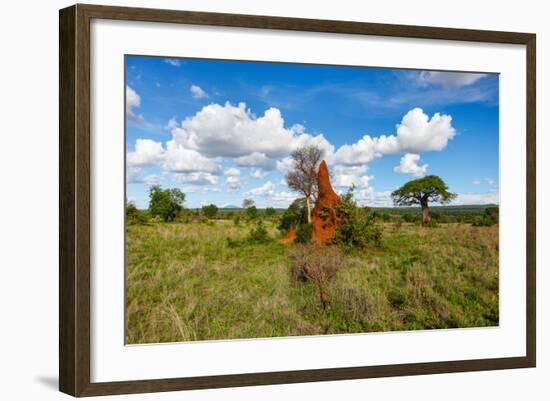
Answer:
(198, 280)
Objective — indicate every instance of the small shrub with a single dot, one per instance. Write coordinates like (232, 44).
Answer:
(318, 265)
(398, 223)
(270, 213)
(258, 234)
(232, 243)
(252, 213)
(385, 217)
(237, 219)
(492, 212)
(489, 218)
(135, 216)
(303, 233)
(482, 221)
(431, 224)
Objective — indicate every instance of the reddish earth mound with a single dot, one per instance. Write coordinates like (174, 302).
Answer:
(325, 219)
(289, 237)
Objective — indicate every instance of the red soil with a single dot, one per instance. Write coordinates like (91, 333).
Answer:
(289, 237)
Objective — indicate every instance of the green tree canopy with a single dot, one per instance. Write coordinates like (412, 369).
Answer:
(247, 203)
(252, 212)
(270, 212)
(210, 211)
(422, 191)
(165, 203)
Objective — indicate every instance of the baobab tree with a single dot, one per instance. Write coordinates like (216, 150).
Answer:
(303, 176)
(421, 191)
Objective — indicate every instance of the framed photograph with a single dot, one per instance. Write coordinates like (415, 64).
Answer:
(250, 200)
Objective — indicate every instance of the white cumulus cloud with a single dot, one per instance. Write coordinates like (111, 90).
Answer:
(233, 182)
(232, 171)
(258, 173)
(133, 101)
(174, 62)
(147, 152)
(416, 133)
(265, 190)
(255, 159)
(449, 80)
(195, 178)
(234, 131)
(180, 159)
(409, 165)
(197, 92)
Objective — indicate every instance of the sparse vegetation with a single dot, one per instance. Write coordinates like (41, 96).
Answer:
(317, 264)
(303, 233)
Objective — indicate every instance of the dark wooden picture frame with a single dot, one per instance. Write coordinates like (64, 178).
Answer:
(74, 199)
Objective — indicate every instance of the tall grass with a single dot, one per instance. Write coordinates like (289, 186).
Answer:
(187, 281)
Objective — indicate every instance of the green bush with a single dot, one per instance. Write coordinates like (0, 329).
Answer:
(295, 215)
(135, 216)
(252, 213)
(385, 217)
(410, 218)
(258, 234)
(489, 218)
(432, 223)
(357, 228)
(483, 221)
(303, 233)
(237, 219)
(270, 212)
(210, 211)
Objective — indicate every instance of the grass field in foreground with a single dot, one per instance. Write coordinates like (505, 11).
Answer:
(186, 281)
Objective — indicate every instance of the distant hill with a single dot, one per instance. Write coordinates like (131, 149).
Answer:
(230, 207)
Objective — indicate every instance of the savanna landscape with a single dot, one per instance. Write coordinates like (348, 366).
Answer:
(247, 225)
(232, 273)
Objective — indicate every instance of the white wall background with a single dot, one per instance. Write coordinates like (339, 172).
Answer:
(29, 184)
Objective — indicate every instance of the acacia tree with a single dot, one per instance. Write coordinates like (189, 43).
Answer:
(247, 203)
(421, 191)
(303, 176)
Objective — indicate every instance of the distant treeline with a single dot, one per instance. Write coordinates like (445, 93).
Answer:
(478, 215)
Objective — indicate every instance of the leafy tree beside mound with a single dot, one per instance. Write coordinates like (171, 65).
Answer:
(422, 191)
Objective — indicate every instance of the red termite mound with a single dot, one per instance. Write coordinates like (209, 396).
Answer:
(325, 219)
(289, 237)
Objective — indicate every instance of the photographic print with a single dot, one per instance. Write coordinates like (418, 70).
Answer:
(268, 199)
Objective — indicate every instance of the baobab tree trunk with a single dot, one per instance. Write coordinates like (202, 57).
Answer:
(308, 210)
(425, 211)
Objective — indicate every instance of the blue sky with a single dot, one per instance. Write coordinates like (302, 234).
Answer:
(222, 131)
